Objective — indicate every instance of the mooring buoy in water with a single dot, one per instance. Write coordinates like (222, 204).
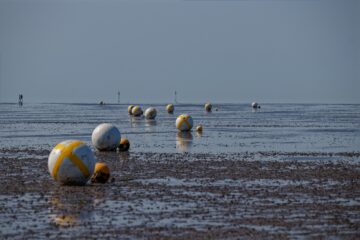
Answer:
(255, 105)
(150, 113)
(208, 107)
(71, 162)
(170, 108)
(106, 137)
(124, 145)
(184, 122)
(137, 111)
(130, 109)
(101, 173)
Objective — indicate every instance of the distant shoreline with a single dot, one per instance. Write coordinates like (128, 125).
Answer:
(185, 103)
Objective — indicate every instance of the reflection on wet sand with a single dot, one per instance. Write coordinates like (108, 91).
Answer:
(136, 121)
(126, 163)
(184, 141)
(150, 122)
(124, 156)
(71, 207)
(198, 134)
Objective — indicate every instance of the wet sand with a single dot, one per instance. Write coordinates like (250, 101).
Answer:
(185, 196)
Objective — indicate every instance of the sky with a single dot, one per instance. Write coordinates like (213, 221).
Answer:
(291, 51)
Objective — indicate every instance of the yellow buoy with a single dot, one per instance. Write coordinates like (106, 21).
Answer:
(137, 111)
(170, 108)
(130, 108)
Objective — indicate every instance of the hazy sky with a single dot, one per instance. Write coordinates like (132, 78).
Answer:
(219, 51)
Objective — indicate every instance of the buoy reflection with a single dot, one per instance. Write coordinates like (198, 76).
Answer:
(70, 207)
(150, 122)
(184, 141)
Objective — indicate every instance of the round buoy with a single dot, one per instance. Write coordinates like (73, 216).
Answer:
(208, 107)
(255, 105)
(124, 145)
(184, 122)
(199, 128)
(101, 173)
(170, 108)
(106, 137)
(150, 113)
(130, 109)
(137, 111)
(71, 162)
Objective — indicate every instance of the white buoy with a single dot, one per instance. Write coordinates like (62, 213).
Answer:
(208, 107)
(150, 113)
(255, 105)
(170, 108)
(106, 137)
(71, 162)
(130, 108)
(184, 122)
(137, 111)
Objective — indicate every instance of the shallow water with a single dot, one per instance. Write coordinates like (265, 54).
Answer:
(232, 128)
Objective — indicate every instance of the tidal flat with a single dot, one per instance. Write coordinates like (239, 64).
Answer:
(284, 171)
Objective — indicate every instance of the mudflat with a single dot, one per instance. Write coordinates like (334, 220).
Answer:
(185, 196)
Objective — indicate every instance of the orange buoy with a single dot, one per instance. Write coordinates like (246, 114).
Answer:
(101, 173)
(124, 145)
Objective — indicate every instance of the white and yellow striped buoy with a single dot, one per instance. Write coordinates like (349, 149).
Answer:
(184, 122)
(208, 107)
(71, 162)
(150, 113)
(170, 108)
(106, 137)
(136, 111)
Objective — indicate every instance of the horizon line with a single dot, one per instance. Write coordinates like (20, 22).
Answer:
(186, 103)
